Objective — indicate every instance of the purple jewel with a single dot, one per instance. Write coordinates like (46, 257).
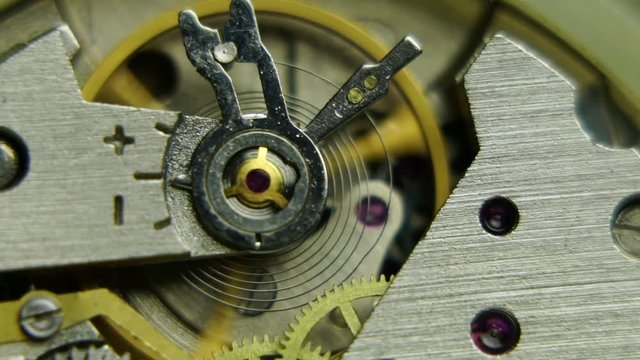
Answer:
(258, 180)
(495, 332)
(372, 211)
(499, 216)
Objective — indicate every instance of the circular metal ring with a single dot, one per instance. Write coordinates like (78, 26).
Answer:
(244, 230)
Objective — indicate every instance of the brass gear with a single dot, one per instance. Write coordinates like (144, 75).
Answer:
(257, 349)
(341, 297)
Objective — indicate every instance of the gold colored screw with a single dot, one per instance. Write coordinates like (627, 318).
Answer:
(355, 96)
(370, 82)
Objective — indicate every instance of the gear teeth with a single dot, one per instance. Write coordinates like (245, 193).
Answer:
(294, 347)
(251, 349)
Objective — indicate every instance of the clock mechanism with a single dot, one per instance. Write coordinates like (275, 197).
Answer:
(315, 180)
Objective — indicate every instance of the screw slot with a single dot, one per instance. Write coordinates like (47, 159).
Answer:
(41, 317)
(495, 331)
(499, 216)
(625, 226)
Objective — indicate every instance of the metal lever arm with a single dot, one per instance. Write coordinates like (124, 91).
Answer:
(242, 30)
(365, 87)
(200, 42)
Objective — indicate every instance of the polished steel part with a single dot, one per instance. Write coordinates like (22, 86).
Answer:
(289, 216)
(9, 164)
(87, 196)
(572, 291)
(365, 87)
(626, 227)
(41, 317)
(236, 224)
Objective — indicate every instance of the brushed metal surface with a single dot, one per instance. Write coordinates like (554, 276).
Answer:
(63, 212)
(573, 292)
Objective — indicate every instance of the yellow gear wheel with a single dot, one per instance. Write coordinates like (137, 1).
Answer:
(257, 349)
(341, 297)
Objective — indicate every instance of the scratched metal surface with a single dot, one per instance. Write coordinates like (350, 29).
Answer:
(63, 212)
(575, 295)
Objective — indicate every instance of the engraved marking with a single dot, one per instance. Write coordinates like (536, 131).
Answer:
(140, 175)
(119, 140)
(164, 128)
(118, 210)
(159, 225)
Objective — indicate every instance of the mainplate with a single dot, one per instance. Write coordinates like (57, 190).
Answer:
(573, 292)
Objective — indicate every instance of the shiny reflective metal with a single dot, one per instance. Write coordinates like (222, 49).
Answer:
(65, 210)
(559, 273)
(626, 227)
(366, 86)
(9, 164)
(224, 218)
(41, 317)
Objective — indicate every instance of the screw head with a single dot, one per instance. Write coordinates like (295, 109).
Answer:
(9, 164)
(355, 96)
(371, 82)
(625, 228)
(41, 317)
(14, 159)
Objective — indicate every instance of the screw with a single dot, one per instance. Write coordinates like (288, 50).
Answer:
(355, 96)
(41, 317)
(9, 164)
(626, 228)
(370, 82)
(225, 53)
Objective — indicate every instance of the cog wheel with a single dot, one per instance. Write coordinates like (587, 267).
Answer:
(257, 349)
(104, 352)
(341, 297)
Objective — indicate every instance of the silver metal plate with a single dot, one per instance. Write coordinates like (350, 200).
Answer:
(66, 210)
(574, 293)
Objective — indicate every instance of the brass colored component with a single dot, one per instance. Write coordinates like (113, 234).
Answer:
(341, 297)
(86, 305)
(257, 349)
(401, 135)
(370, 82)
(355, 96)
(250, 350)
(124, 87)
(272, 195)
